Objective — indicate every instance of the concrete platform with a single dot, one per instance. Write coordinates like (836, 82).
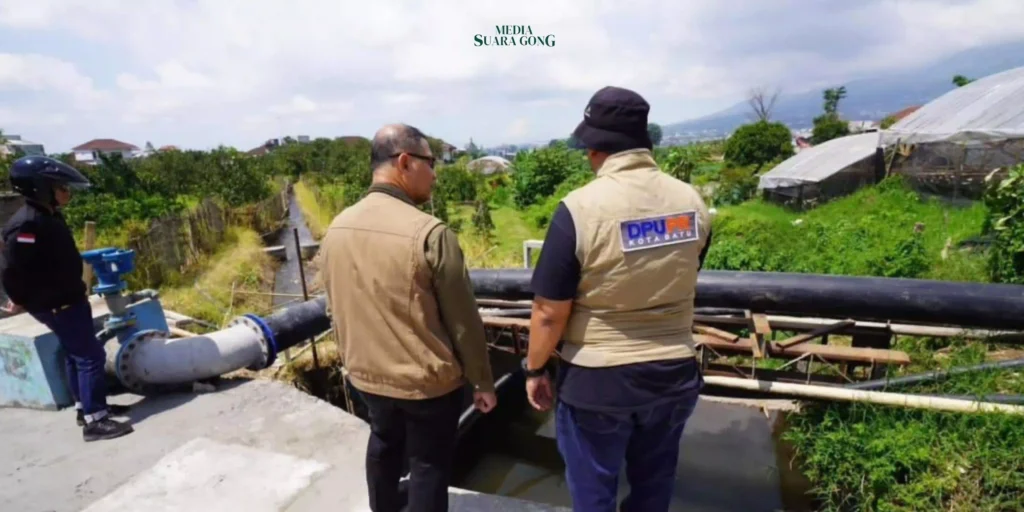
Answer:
(251, 446)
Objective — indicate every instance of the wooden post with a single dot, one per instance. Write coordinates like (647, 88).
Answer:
(90, 244)
(305, 293)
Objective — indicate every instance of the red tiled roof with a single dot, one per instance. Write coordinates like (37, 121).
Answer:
(105, 145)
(904, 113)
(168, 148)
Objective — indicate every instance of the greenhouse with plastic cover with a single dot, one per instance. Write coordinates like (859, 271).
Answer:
(946, 148)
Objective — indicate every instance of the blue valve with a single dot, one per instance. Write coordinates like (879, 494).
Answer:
(109, 264)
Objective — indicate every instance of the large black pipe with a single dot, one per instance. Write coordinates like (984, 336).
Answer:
(297, 323)
(989, 306)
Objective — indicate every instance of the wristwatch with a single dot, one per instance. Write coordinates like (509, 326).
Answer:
(532, 373)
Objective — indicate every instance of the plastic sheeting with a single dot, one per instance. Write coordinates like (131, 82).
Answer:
(815, 164)
(987, 110)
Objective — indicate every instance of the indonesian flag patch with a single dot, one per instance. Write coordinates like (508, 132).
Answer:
(26, 238)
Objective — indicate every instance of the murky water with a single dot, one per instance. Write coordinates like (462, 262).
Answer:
(728, 462)
(287, 281)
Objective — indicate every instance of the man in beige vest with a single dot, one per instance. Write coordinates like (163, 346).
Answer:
(615, 282)
(408, 328)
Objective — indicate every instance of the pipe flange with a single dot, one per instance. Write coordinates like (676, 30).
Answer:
(123, 360)
(258, 330)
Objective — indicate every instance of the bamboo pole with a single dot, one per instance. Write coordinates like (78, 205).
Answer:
(853, 395)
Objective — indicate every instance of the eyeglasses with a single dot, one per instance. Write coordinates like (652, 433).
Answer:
(431, 161)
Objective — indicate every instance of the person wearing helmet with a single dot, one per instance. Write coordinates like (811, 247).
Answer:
(43, 276)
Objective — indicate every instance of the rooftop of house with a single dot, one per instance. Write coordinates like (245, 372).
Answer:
(904, 113)
(105, 145)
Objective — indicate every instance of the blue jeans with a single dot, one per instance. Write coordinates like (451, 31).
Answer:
(85, 355)
(595, 444)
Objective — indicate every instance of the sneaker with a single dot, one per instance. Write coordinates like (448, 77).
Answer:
(105, 428)
(112, 409)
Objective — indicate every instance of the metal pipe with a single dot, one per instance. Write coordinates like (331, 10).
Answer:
(152, 359)
(856, 395)
(935, 375)
(993, 306)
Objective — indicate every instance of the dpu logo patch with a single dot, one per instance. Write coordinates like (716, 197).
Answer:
(659, 231)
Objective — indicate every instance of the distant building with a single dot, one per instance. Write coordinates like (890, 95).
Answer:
(448, 152)
(16, 146)
(863, 126)
(89, 153)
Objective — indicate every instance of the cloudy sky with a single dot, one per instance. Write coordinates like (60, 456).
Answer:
(198, 73)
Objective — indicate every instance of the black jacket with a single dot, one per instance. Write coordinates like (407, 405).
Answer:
(43, 268)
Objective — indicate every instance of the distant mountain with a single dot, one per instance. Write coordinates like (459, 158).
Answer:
(870, 98)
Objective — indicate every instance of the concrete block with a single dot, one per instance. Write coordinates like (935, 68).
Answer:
(32, 371)
(277, 251)
(309, 250)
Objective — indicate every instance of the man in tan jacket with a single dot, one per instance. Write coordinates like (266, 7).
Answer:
(408, 328)
(616, 281)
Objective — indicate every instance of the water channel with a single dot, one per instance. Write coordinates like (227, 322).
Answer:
(287, 280)
(729, 459)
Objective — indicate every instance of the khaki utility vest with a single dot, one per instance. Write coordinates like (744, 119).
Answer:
(382, 303)
(639, 235)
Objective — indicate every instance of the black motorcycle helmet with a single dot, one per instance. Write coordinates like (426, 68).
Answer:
(35, 176)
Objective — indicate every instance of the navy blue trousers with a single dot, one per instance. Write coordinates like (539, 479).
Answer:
(595, 444)
(85, 354)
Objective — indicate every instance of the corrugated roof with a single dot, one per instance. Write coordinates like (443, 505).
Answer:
(988, 109)
(816, 163)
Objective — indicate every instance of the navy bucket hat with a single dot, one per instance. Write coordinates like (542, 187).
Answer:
(615, 120)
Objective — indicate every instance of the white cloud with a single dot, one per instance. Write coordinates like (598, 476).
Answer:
(201, 72)
(518, 129)
(41, 73)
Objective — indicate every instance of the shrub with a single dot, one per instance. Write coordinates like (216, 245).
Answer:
(758, 143)
(536, 174)
(482, 221)
(1005, 224)
(829, 126)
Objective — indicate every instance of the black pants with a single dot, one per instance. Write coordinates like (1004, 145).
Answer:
(425, 431)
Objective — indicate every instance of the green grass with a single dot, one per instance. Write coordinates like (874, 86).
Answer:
(319, 204)
(876, 458)
(504, 248)
(881, 231)
(236, 279)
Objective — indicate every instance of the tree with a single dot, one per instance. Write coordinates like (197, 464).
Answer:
(473, 151)
(960, 80)
(482, 221)
(829, 125)
(537, 174)
(759, 143)
(5, 164)
(681, 161)
(832, 97)
(762, 102)
(654, 131)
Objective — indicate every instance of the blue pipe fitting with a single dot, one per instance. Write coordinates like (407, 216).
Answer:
(109, 264)
(267, 335)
